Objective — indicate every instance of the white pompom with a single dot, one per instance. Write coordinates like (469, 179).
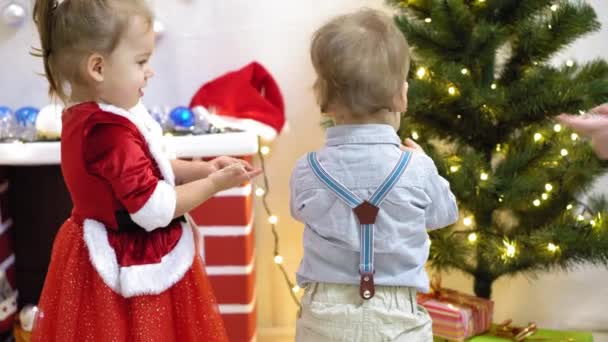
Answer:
(27, 315)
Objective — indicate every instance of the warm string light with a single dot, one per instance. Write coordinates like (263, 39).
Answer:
(472, 237)
(421, 72)
(262, 192)
(510, 249)
(484, 176)
(552, 247)
(468, 221)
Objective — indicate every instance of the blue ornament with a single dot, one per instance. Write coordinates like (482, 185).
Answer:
(182, 117)
(26, 116)
(5, 111)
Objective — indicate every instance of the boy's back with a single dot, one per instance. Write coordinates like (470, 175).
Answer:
(361, 157)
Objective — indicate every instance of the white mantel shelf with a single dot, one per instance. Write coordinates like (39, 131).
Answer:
(195, 146)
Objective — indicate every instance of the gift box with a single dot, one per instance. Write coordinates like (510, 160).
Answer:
(456, 316)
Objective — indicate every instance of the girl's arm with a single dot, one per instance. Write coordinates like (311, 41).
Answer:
(190, 171)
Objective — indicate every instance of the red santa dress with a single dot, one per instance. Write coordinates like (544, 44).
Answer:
(122, 269)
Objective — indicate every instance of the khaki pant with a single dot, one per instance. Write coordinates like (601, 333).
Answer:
(336, 312)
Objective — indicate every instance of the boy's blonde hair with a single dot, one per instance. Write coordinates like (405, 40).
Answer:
(362, 61)
(73, 29)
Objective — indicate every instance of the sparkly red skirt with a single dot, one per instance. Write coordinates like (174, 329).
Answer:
(76, 305)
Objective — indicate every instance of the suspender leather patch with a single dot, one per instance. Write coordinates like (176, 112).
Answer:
(366, 213)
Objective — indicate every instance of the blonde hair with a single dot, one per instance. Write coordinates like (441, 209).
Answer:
(361, 60)
(73, 29)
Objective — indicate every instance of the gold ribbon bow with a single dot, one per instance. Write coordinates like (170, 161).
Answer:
(517, 334)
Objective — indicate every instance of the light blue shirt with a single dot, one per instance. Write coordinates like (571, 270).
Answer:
(361, 157)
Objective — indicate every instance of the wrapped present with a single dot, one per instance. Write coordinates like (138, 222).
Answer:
(456, 316)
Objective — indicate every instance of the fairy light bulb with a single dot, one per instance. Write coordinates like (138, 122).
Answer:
(537, 137)
(580, 218)
(472, 237)
(574, 137)
(484, 176)
(510, 249)
(554, 7)
(278, 259)
(415, 135)
(552, 247)
(570, 63)
(493, 86)
(296, 289)
(454, 169)
(452, 90)
(592, 223)
(428, 20)
(265, 150)
(545, 196)
(421, 72)
(548, 187)
(260, 192)
(564, 152)
(468, 221)
(569, 207)
(464, 71)
(536, 202)
(557, 128)
(273, 219)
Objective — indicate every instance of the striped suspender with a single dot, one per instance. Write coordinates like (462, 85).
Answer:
(366, 212)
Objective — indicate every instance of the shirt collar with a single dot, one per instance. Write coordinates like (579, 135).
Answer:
(362, 134)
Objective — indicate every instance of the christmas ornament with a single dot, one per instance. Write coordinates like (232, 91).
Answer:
(26, 120)
(7, 123)
(182, 117)
(26, 115)
(48, 122)
(247, 99)
(27, 315)
(13, 14)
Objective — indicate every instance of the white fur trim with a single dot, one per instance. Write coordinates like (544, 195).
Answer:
(7, 263)
(150, 279)
(159, 209)
(267, 132)
(152, 133)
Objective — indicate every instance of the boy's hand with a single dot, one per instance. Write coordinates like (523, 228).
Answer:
(233, 175)
(411, 145)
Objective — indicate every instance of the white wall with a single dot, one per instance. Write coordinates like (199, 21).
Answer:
(205, 38)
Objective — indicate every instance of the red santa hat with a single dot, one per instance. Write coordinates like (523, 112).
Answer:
(248, 99)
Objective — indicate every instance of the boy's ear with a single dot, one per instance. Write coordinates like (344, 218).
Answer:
(401, 99)
(95, 67)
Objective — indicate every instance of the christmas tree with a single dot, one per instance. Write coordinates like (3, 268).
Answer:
(481, 101)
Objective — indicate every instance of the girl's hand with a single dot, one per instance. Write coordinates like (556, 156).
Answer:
(233, 175)
(411, 145)
(224, 161)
